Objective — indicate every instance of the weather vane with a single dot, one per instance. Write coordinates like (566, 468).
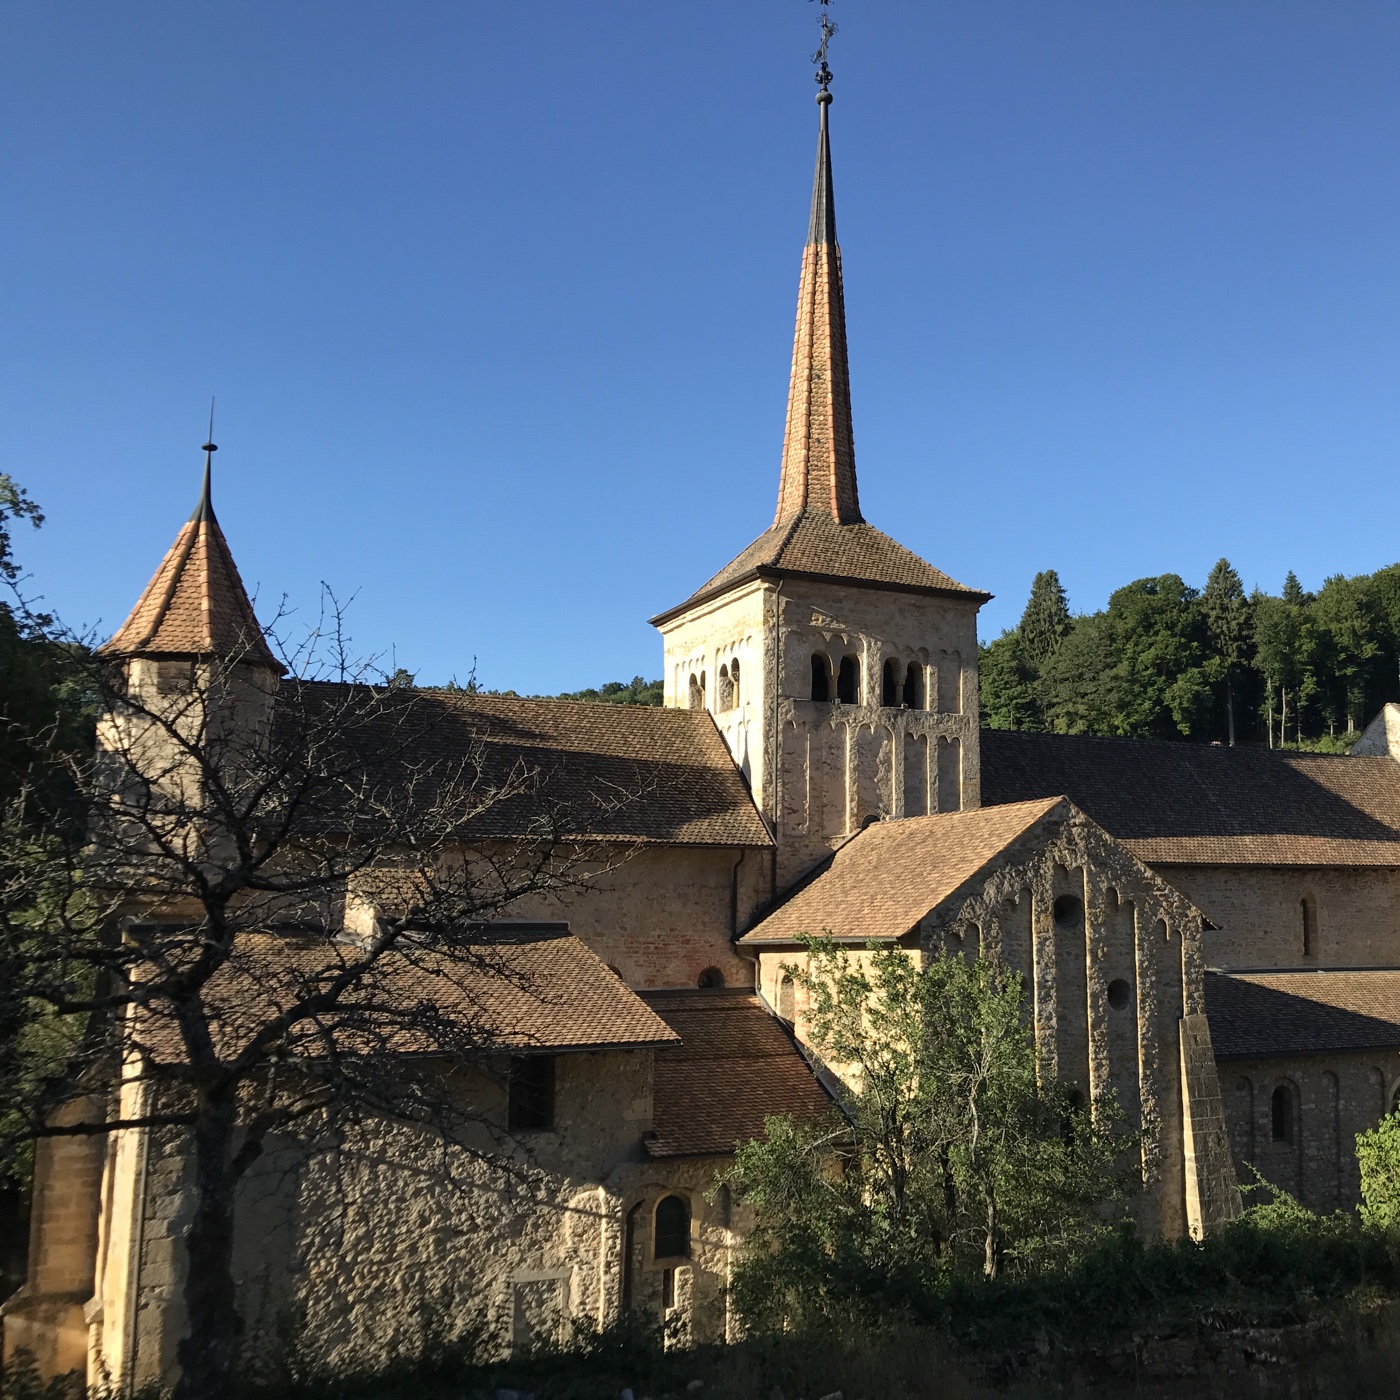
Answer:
(823, 74)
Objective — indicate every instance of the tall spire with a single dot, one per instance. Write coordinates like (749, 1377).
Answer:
(819, 454)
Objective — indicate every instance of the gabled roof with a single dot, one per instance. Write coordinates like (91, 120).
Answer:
(195, 603)
(889, 877)
(1196, 804)
(525, 988)
(605, 772)
(1260, 1015)
(735, 1066)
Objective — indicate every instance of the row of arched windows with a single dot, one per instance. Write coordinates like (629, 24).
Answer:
(847, 679)
(727, 696)
(899, 686)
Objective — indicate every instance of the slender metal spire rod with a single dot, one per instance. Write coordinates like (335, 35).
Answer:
(205, 509)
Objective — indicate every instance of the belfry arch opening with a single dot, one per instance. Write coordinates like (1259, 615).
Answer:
(889, 685)
(821, 676)
(913, 690)
(695, 698)
(848, 681)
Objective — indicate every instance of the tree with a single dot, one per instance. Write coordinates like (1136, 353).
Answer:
(1350, 644)
(1227, 620)
(951, 1154)
(1279, 650)
(1006, 685)
(1378, 1156)
(262, 895)
(1046, 621)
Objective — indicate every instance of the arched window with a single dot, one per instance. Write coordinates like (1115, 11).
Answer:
(1069, 912)
(914, 687)
(697, 694)
(735, 697)
(1308, 910)
(1120, 994)
(672, 1237)
(889, 685)
(1281, 1114)
(1395, 1100)
(821, 676)
(724, 690)
(711, 977)
(848, 682)
(787, 999)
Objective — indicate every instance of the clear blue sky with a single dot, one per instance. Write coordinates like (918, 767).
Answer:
(497, 298)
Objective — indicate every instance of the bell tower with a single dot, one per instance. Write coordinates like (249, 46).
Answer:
(839, 666)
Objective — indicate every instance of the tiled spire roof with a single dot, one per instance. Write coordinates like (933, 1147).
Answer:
(818, 531)
(195, 604)
(819, 453)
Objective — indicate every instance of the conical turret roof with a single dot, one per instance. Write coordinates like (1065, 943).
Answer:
(195, 604)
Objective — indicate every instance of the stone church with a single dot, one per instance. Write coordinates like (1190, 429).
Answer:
(1212, 933)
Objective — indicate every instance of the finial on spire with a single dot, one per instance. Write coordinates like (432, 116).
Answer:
(823, 74)
(205, 509)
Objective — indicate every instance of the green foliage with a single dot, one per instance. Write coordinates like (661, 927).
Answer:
(1045, 622)
(637, 691)
(1166, 661)
(1378, 1155)
(950, 1157)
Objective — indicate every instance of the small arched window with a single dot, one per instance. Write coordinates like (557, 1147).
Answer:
(734, 695)
(1308, 910)
(889, 685)
(787, 999)
(848, 682)
(711, 977)
(724, 690)
(697, 694)
(914, 687)
(1069, 912)
(672, 1238)
(1281, 1114)
(821, 677)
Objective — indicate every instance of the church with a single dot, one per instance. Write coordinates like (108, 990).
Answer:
(1212, 933)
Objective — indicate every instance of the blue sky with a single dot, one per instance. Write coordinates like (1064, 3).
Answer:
(497, 299)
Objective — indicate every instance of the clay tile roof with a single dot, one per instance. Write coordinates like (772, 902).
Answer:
(736, 1065)
(1196, 804)
(1257, 1015)
(886, 879)
(522, 987)
(813, 545)
(195, 604)
(627, 772)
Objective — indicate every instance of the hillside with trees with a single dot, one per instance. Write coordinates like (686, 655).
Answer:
(1165, 660)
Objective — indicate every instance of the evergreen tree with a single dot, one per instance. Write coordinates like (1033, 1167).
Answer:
(1046, 621)
(1006, 685)
(1227, 620)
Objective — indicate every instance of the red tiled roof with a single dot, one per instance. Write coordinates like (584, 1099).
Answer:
(625, 772)
(814, 545)
(518, 987)
(195, 604)
(1197, 804)
(887, 878)
(1261, 1015)
(736, 1066)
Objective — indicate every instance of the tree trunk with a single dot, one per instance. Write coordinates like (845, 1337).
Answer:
(1271, 714)
(1230, 708)
(206, 1353)
(1283, 717)
(989, 1259)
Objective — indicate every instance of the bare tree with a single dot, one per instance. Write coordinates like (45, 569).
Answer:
(263, 906)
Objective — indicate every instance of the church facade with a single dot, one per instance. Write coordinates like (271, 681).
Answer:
(1213, 934)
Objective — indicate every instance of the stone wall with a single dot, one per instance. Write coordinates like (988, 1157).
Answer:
(666, 914)
(1306, 1141)
(381, 1241)
(1259, 913)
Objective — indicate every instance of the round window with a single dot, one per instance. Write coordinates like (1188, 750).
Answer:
(1120, 994)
